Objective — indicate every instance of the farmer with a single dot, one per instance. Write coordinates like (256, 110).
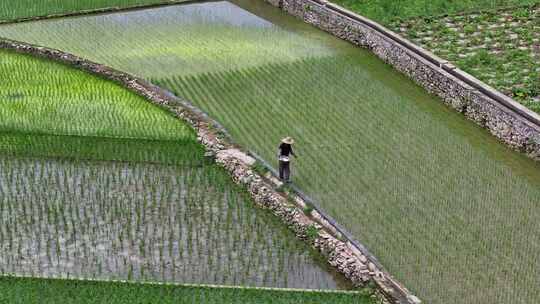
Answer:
(285, 150)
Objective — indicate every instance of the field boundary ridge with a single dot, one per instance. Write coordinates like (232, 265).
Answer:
(505, 118)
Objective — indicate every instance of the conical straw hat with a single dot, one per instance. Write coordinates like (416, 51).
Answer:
(288, 140)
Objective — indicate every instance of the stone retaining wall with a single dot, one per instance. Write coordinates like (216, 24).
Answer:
(359, 267)
(506, 119)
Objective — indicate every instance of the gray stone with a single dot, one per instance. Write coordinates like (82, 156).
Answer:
(413, 299)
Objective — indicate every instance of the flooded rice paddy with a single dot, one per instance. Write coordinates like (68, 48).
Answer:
(451, 212)
(145, 222)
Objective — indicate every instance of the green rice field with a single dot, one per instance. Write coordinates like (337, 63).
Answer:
(42, 97)
(47, 291)
(145, 222)
(448, 210)
(10, 10)
(214, 42)
(96, 182)
(170, 152)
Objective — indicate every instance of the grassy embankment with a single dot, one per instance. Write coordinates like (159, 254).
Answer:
(30, 291)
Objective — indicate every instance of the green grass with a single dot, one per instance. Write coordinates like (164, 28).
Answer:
(10, 10)
(500, 48)
(386, 11)
(29, 291)
(42, 97)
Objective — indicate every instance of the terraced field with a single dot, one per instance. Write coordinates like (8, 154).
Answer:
(497, 41)
(168, 152)
(43, 98)
(95, 182)
(448, 210)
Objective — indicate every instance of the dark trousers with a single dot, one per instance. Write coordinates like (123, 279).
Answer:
(284, 170)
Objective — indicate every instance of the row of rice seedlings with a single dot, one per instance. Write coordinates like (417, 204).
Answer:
(380, 165)
(215, 36)
(144, 222)
(10, 10)
(44, 97)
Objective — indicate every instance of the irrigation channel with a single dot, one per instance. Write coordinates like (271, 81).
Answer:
(448, 210)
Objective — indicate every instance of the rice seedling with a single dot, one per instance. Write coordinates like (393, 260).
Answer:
(379, 176)
(390, 180)
(116, 220)
(43, 97)
(177, 152)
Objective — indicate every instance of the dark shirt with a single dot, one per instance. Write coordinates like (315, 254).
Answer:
(285, 149)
